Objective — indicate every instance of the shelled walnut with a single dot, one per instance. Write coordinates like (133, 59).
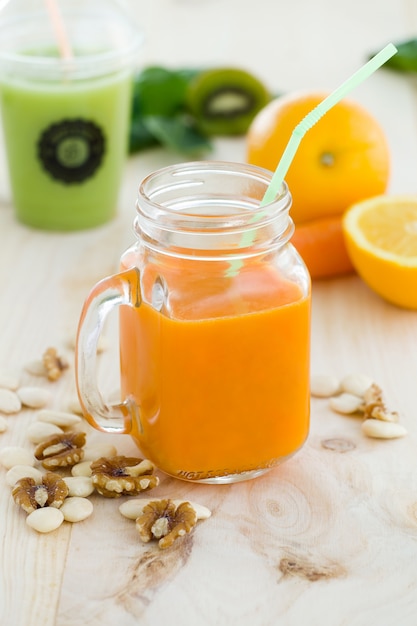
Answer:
(358, 395)
(54, 364)
(61, 450)
(121, 475)
(31, 495)
(165, 521)
(374, 406)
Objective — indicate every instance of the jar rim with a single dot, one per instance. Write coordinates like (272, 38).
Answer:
(212, 205)
(253, 172)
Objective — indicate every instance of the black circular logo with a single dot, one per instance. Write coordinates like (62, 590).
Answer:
(71, 150)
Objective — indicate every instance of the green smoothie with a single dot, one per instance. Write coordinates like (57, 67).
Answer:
(66, 143)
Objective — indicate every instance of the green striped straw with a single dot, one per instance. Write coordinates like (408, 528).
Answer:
(317, 113)
(300, 130)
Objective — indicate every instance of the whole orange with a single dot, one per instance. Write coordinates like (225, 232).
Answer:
(342, 159)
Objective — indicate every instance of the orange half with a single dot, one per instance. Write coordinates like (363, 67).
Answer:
(381, 239)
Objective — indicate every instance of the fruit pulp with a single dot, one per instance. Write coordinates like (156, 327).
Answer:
(222, 382)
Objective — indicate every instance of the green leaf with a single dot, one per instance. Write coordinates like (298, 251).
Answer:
(160, 91)
(406, 58)
(140, 137)
(177, 133)
(158, 95)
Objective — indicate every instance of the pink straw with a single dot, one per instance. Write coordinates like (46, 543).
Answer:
(58, 25)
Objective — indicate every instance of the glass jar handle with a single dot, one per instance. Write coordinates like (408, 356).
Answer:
(113, 291)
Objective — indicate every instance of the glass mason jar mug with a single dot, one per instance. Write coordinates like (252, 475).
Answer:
(214, 327)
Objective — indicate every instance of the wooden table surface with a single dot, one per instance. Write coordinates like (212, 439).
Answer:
(328, 538)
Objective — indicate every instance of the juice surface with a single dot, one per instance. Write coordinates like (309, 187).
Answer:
(40, 119)
(219, 393)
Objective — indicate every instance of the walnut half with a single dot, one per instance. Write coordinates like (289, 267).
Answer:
(374, 406)
(61, 450)
(123, 476)
(30, 495)
(166, 521)
(54, 364)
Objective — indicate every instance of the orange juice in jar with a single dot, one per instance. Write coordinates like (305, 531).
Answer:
(215, 334)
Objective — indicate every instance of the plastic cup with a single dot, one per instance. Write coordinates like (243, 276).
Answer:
(66, 120)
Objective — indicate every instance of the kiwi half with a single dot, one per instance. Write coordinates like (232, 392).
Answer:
(224, 101)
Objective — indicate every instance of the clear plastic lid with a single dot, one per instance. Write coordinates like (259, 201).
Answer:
(102, 36)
